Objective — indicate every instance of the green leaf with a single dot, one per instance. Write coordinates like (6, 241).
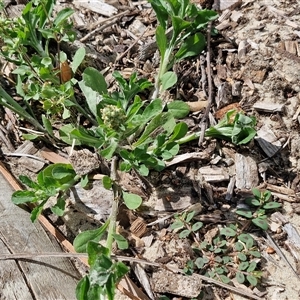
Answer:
(107, 182)
(247, 239)
(27, 181)
(192, 46)
(197, 226)
(82, 288)
(179, 109)
(92, 98)
(184, 233)
(178, 26)
(81, 240)
(20, 197)
(161, 40)
(121, 241)
(65, 135)
(98, 257)
(47, 125)
(225, 279)
(87, 137)
(252, 280)
(95, 80)
(256, 193)
(161, 13)
(110, 150)
(240, 277)
(242, 256)
(200, 262)
(267, 195)
(36, 212)
(153, 109)
(252, 266)
(244, 213)
(59, 207)
(84, 181)
(253, 201)
(180, 131)
(272, 205)
(239, 246)
(63, 172)
(132, 201)
(255, 254)
(178, 224)
(168, 80)
(243, 265)
(261, 223)
(78, 59)
(62, 15)
(164, 120)
(226, 259)
(228, 232)
(190, 216)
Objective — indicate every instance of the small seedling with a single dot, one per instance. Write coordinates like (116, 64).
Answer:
(257, 207)
(184, 225)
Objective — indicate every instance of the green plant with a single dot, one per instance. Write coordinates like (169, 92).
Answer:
(41, 74)
(231, 254)
(53, 181)
(143, 134)
(257, 207)
(184, 21)
(183, 224)
(234, 127)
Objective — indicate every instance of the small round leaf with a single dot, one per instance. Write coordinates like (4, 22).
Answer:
(132, 201)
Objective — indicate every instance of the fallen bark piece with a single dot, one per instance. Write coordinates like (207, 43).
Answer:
(268, 107)
(246, 172)
(268, 141)
(214, 174)
(177, 284)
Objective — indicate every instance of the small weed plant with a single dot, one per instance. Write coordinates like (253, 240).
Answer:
(233, 253)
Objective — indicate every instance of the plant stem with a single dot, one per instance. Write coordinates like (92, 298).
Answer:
(114, 209)
(163, 68)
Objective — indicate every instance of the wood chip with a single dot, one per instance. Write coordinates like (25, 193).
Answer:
(246, 172)
(268, 107)
(268, 141)
(177, 284)
(214, 174)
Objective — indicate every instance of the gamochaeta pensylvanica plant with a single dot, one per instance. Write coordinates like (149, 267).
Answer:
(144, 134)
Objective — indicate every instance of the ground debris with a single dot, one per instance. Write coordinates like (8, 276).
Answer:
(164, 281)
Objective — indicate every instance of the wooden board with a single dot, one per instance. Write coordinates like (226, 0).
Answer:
(37, 278)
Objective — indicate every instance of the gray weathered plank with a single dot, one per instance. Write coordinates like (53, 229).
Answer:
(43, 278)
